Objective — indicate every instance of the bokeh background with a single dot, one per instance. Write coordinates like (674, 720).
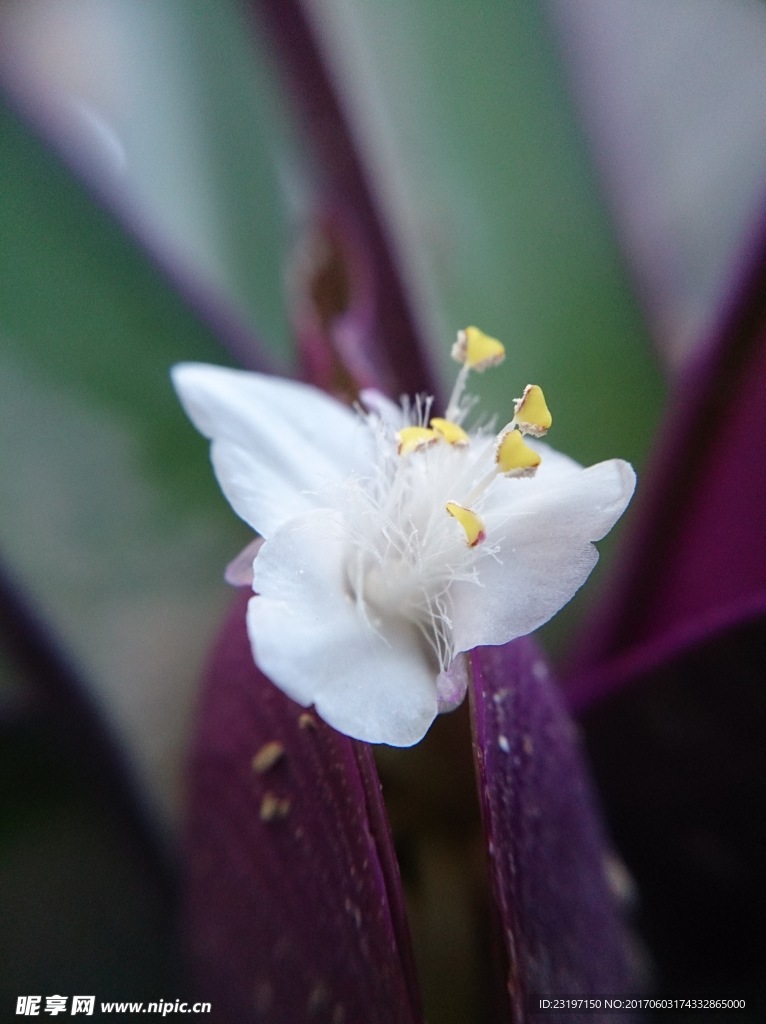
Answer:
(578, 177)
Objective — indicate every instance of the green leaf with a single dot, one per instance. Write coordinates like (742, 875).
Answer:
(171, 112)
(483, 174)
(110, 518)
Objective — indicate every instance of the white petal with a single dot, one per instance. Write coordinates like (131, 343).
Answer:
(555, 464)
(239, 571)
(277, 445)
(451, 686)
(312, 640)
(545, 552)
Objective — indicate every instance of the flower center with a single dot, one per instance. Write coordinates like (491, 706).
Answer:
(417, 523)
(513, 457)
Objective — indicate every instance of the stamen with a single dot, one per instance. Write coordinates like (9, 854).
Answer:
(472, 525)
(477, 350)
(514, 457)
(532, 413)
(413, 439)
(450, 432)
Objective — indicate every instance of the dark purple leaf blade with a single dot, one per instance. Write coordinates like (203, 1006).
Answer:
(293, 905)
(549, 860)
(698, 556)
(672, 676)
(680, 757)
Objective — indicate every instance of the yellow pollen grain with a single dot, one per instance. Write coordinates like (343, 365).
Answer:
(477, 350)
(473, 527)
(532, 413)
(274, 807)
(514, 457)
(450, 432)
(413, 439)
(269, 754)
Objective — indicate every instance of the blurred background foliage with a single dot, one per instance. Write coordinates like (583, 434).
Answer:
(155, 185)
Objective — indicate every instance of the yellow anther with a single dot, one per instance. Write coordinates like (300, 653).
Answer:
(450, 432)
(472, 525)
(477, 350)
(532, 413)
(514, 457)
(412, 439)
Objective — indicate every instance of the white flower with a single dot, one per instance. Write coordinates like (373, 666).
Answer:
(394, 540)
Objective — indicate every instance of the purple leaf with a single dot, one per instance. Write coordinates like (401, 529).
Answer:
(293, 905)
(549, 861)
(681, 762)
(57, 690)
(698, 557)
(672, 678)
(389, 348)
